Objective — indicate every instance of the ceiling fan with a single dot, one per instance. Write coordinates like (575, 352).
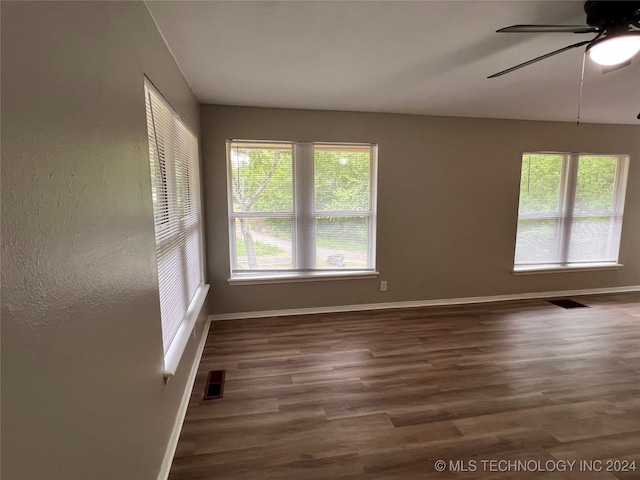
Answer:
(617, 28)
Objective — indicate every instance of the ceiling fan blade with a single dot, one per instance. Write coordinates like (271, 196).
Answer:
(537, 59)
(613, 68)
(549, 29)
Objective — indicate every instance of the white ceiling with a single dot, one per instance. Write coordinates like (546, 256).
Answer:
(424, 57)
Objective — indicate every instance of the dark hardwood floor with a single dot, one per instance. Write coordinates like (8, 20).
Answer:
(510, 390)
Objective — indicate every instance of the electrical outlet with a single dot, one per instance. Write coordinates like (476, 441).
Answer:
(383, 286)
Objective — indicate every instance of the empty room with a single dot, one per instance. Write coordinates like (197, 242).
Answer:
(320, 239)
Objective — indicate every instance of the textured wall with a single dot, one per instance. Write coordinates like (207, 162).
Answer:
(447, 204)
(82, 391)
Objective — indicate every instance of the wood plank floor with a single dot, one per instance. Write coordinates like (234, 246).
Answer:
(385, 394)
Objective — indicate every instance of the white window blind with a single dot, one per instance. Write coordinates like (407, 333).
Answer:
(301, 208)
(175, 188)
(570, 209)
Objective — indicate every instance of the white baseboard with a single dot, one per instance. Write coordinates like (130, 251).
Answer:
(419, 303)
(184, 403)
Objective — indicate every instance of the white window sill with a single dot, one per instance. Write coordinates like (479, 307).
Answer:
(176, 349)
(294, 277)
(581, 267)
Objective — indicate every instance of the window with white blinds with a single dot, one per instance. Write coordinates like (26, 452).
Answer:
(175, 187)
(301, 209)
(570, 210)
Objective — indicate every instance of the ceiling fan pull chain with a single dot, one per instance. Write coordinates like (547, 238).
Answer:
(584, 58)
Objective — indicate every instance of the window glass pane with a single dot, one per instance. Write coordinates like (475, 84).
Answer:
(263, 244)
(538, 241)
(261, 177)
(342, 178)
(342, 242)
(541, 183)
(595, 186)
(595, 239)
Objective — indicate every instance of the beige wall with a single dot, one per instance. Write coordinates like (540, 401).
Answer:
(447, 204)
(82, 391)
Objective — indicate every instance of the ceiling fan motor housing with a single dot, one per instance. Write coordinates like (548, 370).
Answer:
(603, 13)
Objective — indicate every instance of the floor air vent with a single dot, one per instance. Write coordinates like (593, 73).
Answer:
(215, 385)
(566, 303)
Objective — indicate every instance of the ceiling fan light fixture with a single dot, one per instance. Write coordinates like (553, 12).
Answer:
(614, 50)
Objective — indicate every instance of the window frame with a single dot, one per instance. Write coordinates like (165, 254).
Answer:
(176, 196)
(302, 215)
(566, 214)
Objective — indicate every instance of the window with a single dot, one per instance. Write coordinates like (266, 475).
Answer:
(570, 212)
(173, 154)
(301, 209)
